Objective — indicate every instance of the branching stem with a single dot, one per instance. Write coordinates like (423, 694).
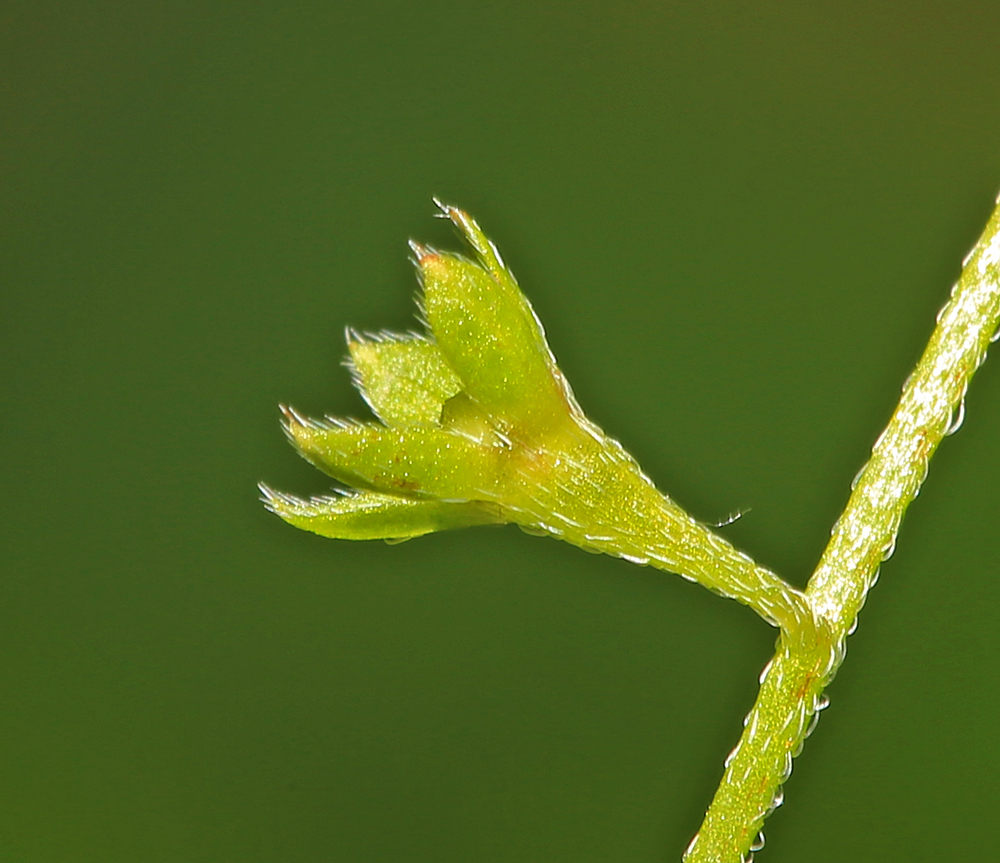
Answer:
(479, 426)
(791, 693)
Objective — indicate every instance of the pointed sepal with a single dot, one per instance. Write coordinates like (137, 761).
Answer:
(405, 379)
(369, 515)
(415, 462)
(489, 333)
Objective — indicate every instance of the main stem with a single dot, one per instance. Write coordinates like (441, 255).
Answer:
(791, 693)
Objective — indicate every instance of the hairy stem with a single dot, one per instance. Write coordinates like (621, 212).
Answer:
(791, 692)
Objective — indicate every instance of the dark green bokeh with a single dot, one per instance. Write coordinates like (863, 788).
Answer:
(736, 221)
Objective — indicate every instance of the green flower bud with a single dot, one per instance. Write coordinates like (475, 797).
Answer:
(478, 426)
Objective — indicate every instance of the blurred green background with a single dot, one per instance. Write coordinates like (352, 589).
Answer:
(737, 221)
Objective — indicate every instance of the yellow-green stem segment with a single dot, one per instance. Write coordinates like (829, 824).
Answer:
(791, 690)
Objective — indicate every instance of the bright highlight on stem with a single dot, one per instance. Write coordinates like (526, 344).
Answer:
(477, 425)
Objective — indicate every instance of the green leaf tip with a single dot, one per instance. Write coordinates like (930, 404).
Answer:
(369, 515)
(477, 425)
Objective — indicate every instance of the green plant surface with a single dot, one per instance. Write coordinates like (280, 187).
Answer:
(479, 426)
(504, 441)
(736, 221)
